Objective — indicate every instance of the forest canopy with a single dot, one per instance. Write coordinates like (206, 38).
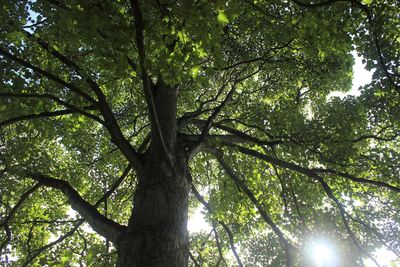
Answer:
(120, 118)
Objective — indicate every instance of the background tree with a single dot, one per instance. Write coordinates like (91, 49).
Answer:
(134, 113)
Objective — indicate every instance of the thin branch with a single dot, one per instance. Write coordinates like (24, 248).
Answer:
(226, 228)
(241, 184)
(193, 259)
(263, 58)
(219, 247)
(311, 174)
(111, 123)
(308, 172)
(359, 180)
(8, 218)
(115, 185)
(58, 100)
(243, 136)
(46, 114)
(48, 75)
(217, 110)
(343, 214)
(39, 251)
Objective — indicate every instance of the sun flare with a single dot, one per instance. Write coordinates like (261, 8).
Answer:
(322, 254)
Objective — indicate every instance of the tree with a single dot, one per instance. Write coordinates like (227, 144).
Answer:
(134, 112)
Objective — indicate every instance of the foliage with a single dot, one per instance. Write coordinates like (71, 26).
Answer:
(257, 74)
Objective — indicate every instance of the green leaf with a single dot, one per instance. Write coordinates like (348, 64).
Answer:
(222, 18)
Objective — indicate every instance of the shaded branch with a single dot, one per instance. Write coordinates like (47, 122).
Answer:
(102, 225)
(111, 123)
(239, 134)
(46, 114)
(263, 58)
(193, 259)
(8, 218)
(115, 185)
(308, 172)
(311, 174)
(147, 86)
(343, 214)
(214, 114)
(48, 75)
(78, 224)
(39, 251)
(58, 100)
(219, 247)
(358, 180)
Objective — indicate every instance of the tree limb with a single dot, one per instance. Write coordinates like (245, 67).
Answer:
(102, 225)
(58, 100)
(147, 86)
(45, 114)
(241, 184)
(8, 218)
(111, 123)
(48, 75)
(218, 243)
(343, 214)
(217, 110)
(308, 172)
(80, 222)
(358, 180)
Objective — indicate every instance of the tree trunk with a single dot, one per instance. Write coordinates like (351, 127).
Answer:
(157, 230)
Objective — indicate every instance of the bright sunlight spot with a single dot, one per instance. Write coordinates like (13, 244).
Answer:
(322, 254)
(197, 223)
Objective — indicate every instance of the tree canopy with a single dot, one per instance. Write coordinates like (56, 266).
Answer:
(87, 90)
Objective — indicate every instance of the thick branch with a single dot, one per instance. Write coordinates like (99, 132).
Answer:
(147, 86)
(81, 221)
(102, 225)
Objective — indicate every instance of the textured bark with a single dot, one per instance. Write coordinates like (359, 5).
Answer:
(157, 230)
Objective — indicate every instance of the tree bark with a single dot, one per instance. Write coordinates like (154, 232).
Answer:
(157, 230)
